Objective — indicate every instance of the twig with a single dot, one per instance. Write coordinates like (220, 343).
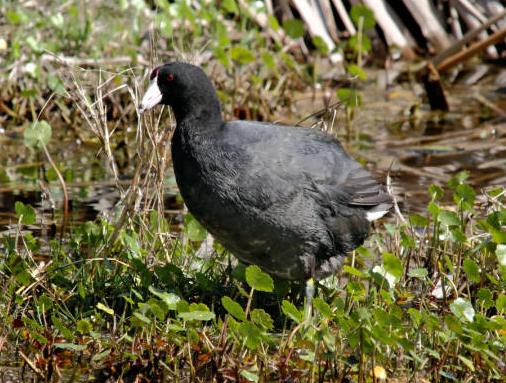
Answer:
(467, 38)
(474, 49)
(31, 364)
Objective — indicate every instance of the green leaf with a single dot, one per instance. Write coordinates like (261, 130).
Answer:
(241, 55)
(37, 134)
(462, 309)
(353, 271)
(25, 213)
(259, 280)
(197, 315)
(472, 270)
(359, 11)
(358, 45)
(449, 218)
(251, 334)
(291, 311)
(500, 303)
(485, 297)
(71, 346)
(418, 220)
(392, 264)
(230, 6)
(194, 230)
(349, 97)
(436, 192)
(294, 28)
(500, 252)
(104, 308)
(323, 307)
(233, 308)
(262, 319)
(169, 299)
(464, 197)
(250, 376)
(469, 363)
(320, 44)
(419, 272)
(84, 326)
(357, 71)
(458, 179)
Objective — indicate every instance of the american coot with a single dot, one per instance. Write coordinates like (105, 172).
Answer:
(287, 199)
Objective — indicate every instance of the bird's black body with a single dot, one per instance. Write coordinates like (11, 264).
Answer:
(285, 198)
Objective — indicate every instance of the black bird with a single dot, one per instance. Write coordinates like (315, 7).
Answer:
(288, 199)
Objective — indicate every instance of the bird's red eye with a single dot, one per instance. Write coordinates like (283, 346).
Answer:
(170, 77)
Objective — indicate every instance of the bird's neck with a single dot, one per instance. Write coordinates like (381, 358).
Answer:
(198, 111)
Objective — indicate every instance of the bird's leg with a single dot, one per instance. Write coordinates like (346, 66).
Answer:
(308, 309)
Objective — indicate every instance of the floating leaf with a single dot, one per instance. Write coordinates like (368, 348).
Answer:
(233, 308)
(259, 280)
(294, 28)
(462, 309)
(37, 134)
(25, 212)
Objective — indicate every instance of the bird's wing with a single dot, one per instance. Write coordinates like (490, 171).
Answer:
(282, 161)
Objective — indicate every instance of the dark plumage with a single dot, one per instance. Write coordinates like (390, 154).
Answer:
(285, 198)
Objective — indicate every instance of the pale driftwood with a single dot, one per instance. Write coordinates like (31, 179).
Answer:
(316, 27)
(426, 17)
(494, 7)
(455, 23)
(393, 34)
(345, 18)
(471, 8)
(474, 22)
(468, 37)
(328, 17)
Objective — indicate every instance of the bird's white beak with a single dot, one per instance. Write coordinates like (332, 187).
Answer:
(152, 97)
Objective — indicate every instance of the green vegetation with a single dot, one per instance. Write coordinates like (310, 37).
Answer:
(143, 293)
